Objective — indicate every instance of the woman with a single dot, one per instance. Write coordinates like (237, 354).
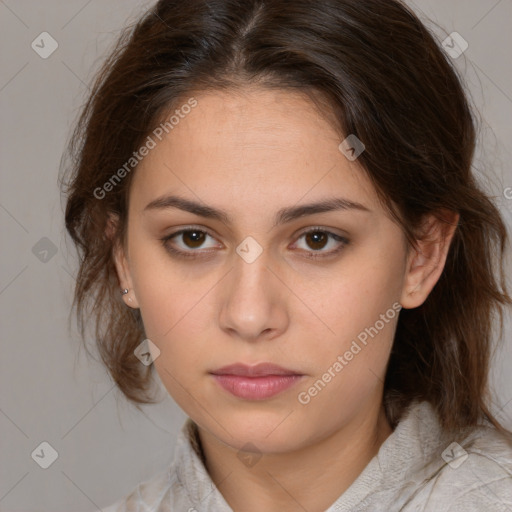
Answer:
(281, 195)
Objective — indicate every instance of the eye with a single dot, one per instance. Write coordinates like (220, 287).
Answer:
(187, 241)
(318, 239)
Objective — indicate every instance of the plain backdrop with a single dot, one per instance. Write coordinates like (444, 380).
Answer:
(50, 391)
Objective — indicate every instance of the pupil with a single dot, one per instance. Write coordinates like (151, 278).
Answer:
(196, 238)
(318, 238)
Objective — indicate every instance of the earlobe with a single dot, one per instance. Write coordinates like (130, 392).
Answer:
(427, 259)
(128, 300)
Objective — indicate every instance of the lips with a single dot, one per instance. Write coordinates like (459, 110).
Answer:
(258, 382)
(258, 370)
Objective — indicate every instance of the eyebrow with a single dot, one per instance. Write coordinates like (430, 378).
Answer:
(283, 216)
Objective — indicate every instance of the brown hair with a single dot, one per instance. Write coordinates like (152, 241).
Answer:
(384, 78)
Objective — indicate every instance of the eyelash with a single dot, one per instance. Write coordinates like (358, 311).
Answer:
(192, 254)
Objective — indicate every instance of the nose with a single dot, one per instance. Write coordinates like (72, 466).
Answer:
(253, 301)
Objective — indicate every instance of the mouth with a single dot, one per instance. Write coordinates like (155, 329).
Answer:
(257, 382)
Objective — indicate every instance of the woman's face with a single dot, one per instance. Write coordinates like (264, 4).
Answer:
(246, 284)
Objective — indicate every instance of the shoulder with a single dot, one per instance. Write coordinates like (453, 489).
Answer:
(474, 474)
(147, 495)
(178, 487)
(436, 471)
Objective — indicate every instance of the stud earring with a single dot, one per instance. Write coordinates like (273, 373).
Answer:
(124, 291)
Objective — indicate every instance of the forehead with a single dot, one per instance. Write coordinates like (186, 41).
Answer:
(255, 146)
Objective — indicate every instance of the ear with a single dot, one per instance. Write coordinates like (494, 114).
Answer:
(426, 261)
(121, 262)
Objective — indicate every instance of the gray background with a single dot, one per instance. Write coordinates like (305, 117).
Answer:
(50, 390)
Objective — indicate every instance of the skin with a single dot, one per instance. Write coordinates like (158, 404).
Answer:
(252, 152)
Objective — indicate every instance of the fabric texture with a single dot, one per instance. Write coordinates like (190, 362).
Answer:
(417, 469)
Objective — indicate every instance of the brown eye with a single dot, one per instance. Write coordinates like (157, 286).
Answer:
(316, 239)
(320, 243)
(190, 243)
(193, 239)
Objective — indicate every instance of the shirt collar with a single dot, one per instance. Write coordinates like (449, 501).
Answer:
(410, 447)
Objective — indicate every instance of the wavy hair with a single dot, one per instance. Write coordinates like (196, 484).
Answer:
(374, 68)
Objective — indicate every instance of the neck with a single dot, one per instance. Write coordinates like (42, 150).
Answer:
(283, 481)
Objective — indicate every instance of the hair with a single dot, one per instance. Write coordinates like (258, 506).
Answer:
(374, 68)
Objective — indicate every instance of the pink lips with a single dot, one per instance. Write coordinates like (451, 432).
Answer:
(255, 382)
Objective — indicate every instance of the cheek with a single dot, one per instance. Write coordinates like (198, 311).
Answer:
(363, 312)
(361, 307)
(173, 320)
(356, 296)
(176, 312)
(176, 326)
(165, 293)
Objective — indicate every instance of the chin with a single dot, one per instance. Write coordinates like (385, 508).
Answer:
(266, 431)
